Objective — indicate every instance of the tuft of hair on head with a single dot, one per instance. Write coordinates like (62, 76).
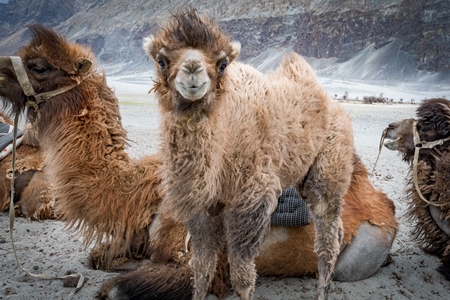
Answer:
(147, 45)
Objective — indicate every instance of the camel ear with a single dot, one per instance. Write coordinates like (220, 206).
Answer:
(235, 50)
(148, 45)
(83, 65)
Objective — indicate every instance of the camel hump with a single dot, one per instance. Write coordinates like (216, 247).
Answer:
(296, 68)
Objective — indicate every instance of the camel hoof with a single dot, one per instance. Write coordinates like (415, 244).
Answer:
(366, 253)
(444, 225)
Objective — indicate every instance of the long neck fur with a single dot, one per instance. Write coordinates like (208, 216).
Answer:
(97, 183)
(194, 146)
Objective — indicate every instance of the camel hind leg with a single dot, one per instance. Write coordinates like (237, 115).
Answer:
(206, 239)
(245, 230)
(323, 190)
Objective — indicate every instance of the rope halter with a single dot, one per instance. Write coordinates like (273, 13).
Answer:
(418, 144)
(28, 89)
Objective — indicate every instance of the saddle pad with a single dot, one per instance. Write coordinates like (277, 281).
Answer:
(291, 211)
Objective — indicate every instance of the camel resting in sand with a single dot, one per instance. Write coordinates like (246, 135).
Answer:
(104, 193)
(424, 143)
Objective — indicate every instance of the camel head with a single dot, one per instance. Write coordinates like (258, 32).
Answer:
(192, 55)
(432, 123)
(49, 62)
(399, 136)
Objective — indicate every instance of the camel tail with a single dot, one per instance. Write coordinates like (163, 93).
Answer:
(151, 281)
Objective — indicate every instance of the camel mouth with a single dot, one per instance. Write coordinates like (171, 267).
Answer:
(391, 144)
(194, 92)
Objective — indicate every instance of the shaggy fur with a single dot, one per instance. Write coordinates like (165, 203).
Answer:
(284, 252)
(233, 138)
(31, 195)
(93, 139)
(84, 145)
(433, 123)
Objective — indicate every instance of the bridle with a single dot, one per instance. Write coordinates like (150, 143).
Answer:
(28, 90)
(418, 144)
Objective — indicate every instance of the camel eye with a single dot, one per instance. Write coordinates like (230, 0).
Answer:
(223, 66)
(39, 70)
(161, 62)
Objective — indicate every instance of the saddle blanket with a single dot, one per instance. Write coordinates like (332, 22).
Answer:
(291, 211)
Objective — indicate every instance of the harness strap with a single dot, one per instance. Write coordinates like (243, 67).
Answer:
(27, 87)
(380, 146)
(22, 76)
(29, 91)
(418, 144)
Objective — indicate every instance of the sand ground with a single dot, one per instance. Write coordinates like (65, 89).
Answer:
(46, 247)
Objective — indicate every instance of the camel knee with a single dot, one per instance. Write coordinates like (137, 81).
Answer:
(245, 229)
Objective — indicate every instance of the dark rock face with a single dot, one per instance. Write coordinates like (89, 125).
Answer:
(422, 27)
(314, 28)
(17, 13)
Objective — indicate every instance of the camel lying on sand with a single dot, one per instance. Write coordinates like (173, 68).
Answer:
(424, 143)
(31, 193)
(112, 199)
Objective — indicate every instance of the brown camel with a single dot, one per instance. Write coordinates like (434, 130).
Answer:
(83, 143)
(233, 138)
(109, 195)
(31, 194)
(431, 215)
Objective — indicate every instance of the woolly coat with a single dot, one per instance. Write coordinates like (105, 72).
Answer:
(264, 131)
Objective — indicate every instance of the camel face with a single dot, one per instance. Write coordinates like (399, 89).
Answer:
(192, 80)
(48, 63)
(399, 136)
(192, 62)
(9, 86)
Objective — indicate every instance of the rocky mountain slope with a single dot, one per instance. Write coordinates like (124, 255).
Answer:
(364, 39)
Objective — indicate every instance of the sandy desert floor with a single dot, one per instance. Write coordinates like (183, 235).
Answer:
(46, 247)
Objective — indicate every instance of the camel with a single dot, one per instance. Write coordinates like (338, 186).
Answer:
(233, 138)
(112, 199)
(32, 198)
(83, 144)
(429, 208)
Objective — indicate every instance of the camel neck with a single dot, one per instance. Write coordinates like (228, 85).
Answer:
(87, 134)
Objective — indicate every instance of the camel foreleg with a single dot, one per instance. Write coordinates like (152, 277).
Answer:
(206, 235)
(245, 229)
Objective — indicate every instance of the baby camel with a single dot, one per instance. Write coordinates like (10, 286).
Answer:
(233, 138)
